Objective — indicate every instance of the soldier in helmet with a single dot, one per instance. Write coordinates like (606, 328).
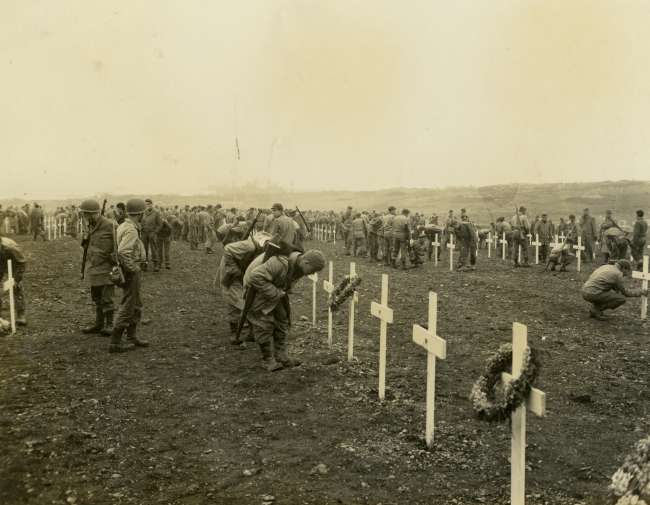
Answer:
(100, 261)
(131, 254)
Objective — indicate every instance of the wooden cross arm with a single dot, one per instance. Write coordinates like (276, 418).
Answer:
(328, 286)
(9, 284)
(432, 343)
(536, 401)
(381, 312)
(313, 277)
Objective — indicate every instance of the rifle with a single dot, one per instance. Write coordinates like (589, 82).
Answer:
(85, 243)
(271, 250)
(303, 220)
(251, 228)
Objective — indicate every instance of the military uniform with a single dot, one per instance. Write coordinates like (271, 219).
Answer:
(387, 231)
(151, 224)
(359, 232)
(466, 235)
(520, 228)
(401, 238)
(639, 240)
(100, 261)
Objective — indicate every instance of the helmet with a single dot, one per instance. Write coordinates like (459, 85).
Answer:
(89, 206)
(135, 206)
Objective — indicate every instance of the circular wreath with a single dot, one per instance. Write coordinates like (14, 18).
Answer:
(343, 291)
(631, 482)
(493, 400)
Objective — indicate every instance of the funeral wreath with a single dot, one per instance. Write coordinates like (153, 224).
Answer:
(493, 400)
(343, 291)
(631, 482)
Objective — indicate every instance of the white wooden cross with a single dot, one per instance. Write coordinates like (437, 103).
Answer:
(334, 233)
(537, 243)
(354, 299)
(451, 246)
(314, 279)
(519, 254)
(504, 243)
(65, 226)
(489, 244)
(436, 245)
(385, 314)
(48, 225)
(436, 348)
(579, 248)
(536, 403)
(9, 285)
(562, 237)
(328, 286)
(645, 277)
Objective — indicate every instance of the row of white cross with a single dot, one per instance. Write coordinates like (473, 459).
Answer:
(436, 347)
(324, 232)
(55, 228)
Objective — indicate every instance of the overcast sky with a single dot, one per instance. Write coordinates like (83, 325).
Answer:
(149, 96)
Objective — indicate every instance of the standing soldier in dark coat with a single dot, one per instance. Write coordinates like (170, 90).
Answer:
(283, 229)
(589, 235)
(520, 228)
(387, 232)
(639, 239)
(466, 235)
(100, 261)
(131, 254)
(544, 229)
(401, 238)
(151, 224)
(165, 243)
(36, 222)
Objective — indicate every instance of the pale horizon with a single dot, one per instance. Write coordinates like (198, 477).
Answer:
(151, 98)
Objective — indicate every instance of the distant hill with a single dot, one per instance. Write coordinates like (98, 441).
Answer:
(484, 203)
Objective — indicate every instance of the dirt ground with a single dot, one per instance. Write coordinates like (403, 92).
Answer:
(192, 421)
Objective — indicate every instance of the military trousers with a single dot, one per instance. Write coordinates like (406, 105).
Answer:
(130, 309)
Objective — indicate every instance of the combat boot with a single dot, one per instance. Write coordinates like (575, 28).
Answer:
(99, 323)
(116, 342)
(268, 361)
(133, 339)
(21, 320)
(281, 353)
(107, 331)
(233, 334)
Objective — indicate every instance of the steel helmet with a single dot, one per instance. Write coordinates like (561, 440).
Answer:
(135, 206)
(89, 205)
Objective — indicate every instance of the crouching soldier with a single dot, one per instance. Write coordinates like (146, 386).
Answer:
(101, 248)
(270, 309)
(131, 255)
(605, 288)
(9, 250)
(236, 258)
(561, 254)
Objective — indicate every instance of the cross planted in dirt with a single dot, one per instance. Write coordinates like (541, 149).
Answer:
(645, 277)
(385, 314)
(9, 285)
(328, 286)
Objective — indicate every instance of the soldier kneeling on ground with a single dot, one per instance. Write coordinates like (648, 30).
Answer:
(561, 254)
(605, 288)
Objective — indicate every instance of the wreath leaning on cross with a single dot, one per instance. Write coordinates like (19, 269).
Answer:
(493, 400)
(343, 291)
(631, 482)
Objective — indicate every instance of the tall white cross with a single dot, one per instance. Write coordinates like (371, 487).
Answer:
(9, 285)
(562, 237)
(314, 279)
(451, 246)
(354, 299)
(536, 403)
(644, 276)
(579, 248)
(48, 225)
(519, 254)
(489, 244)
(436, 348)
(328, 286)
(65, 226)
(436, 245)
(537, 243)
(385, 314)
(504, 243)
(334, 233)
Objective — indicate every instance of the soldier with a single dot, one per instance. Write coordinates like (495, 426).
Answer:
(572, 230)
(561, 254)
(544, 229)
(346, 228)
(450, 228)
(359, 234)
(36, 222)
(9, 250)
(73, 219)
(236, 258)
(589, 234)
(131, 254)
(387, 231)
(270, 310)
(100, 261)
(401, 238)
(520, 228)
(605, 288)
(283, 229)
(466, 233)
(374, 229)
(609, 231)
(164, 241)
(639, 238)
(151, 224)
